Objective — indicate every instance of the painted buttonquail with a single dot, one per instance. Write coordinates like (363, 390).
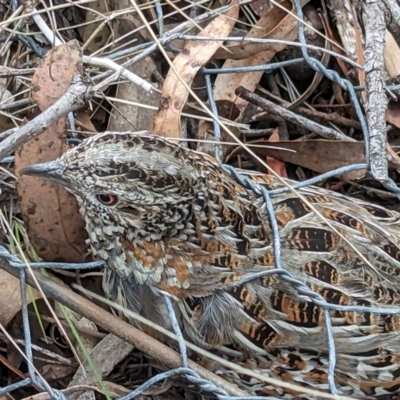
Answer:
(168, 219)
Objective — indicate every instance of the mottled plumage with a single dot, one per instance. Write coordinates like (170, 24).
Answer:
(165, 218)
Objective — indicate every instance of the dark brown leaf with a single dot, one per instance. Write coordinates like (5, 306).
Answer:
(54, 225)
(317, 155)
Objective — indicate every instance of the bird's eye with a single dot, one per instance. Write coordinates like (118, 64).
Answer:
(107, 199)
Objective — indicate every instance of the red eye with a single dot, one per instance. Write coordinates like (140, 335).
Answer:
(107, 199)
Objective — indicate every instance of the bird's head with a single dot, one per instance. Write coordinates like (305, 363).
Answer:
(135, 179)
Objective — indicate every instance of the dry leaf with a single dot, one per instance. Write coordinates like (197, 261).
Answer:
(5, 97)
(72, 393)
(276, 165)
(393, 117)
(360, 55)
(392, 59)
(174, 94)
(54, 225)
(317, 155)
(105, 356)
(82, 120)
(393, 114)
(392, 56)
(10, 297)
(336, 49)
(96, 26)
(318, 76)
(130, 116)
(349, 30)
(260, 7)
(275, 25)
(54, 372)
(127, 116)
(81, 323)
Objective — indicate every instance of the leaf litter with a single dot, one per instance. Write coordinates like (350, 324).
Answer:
(286, 133)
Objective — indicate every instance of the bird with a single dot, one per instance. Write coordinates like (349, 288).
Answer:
(168, 220)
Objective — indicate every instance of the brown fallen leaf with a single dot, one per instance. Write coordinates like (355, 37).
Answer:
(82, 120)
(332, 40)
(260, 7)
(82, 324)
(110, 351)
(276, 165)
(96, 33)
(5, 97)
(262, 30)
(10, 297)
(54, 225)
(360, 55)
(73, 393)
(317, 155)
(277, 24)
(55, 372)
(393, 114)
(392, 60)
(344, 15)
(318, 76)
(174, 93)
(391, 56)
(128, 116)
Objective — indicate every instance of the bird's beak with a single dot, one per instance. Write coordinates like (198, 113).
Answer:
(50, 170)
(43, 170)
